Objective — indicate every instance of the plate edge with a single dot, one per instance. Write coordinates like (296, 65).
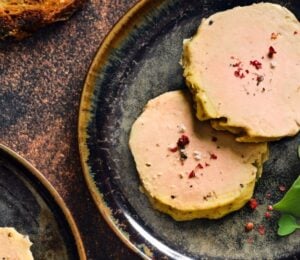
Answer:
(113, 37)
(57, 198)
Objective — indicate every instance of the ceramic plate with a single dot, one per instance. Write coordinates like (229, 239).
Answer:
(31, 205)
(137, 61)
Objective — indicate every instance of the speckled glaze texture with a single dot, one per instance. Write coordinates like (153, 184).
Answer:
(41, 81)
(143, 64)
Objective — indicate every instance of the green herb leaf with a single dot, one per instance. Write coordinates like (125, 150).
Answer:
(287, 225)
(290, 203)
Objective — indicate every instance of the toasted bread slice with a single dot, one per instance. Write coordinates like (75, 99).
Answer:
(19, 18)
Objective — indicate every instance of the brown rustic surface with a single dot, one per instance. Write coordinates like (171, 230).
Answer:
(41, 80)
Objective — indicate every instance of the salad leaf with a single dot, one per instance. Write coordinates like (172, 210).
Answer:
(290, 202)
(287, 225)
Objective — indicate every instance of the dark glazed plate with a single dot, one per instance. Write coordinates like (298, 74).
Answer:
(137, 61)
(30, 204)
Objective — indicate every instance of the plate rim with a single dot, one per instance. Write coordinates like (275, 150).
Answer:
(54, 194)
(112, 38)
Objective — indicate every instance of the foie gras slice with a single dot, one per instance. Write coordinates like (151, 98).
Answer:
(243, 68)
(187, 169)
(13, 245)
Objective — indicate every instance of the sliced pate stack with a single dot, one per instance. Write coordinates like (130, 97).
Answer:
(188, 169)
(243, 70)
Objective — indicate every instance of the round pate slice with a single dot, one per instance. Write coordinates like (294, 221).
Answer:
(14, 245)
(187, 169)
(243, 69)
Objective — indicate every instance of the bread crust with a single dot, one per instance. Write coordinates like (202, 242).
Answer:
(20, 18)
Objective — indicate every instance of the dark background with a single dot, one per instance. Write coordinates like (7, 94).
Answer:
(41, 80)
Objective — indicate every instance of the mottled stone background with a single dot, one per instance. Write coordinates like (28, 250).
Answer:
(41, 79)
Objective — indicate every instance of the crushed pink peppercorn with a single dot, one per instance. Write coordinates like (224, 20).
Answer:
(239, 74)
(271, 52)
(213, 156)
(183, 141)
(256, 64)
(192, 174)
(199, 165)
(268, 214)
(253, 203)
(249, 226)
